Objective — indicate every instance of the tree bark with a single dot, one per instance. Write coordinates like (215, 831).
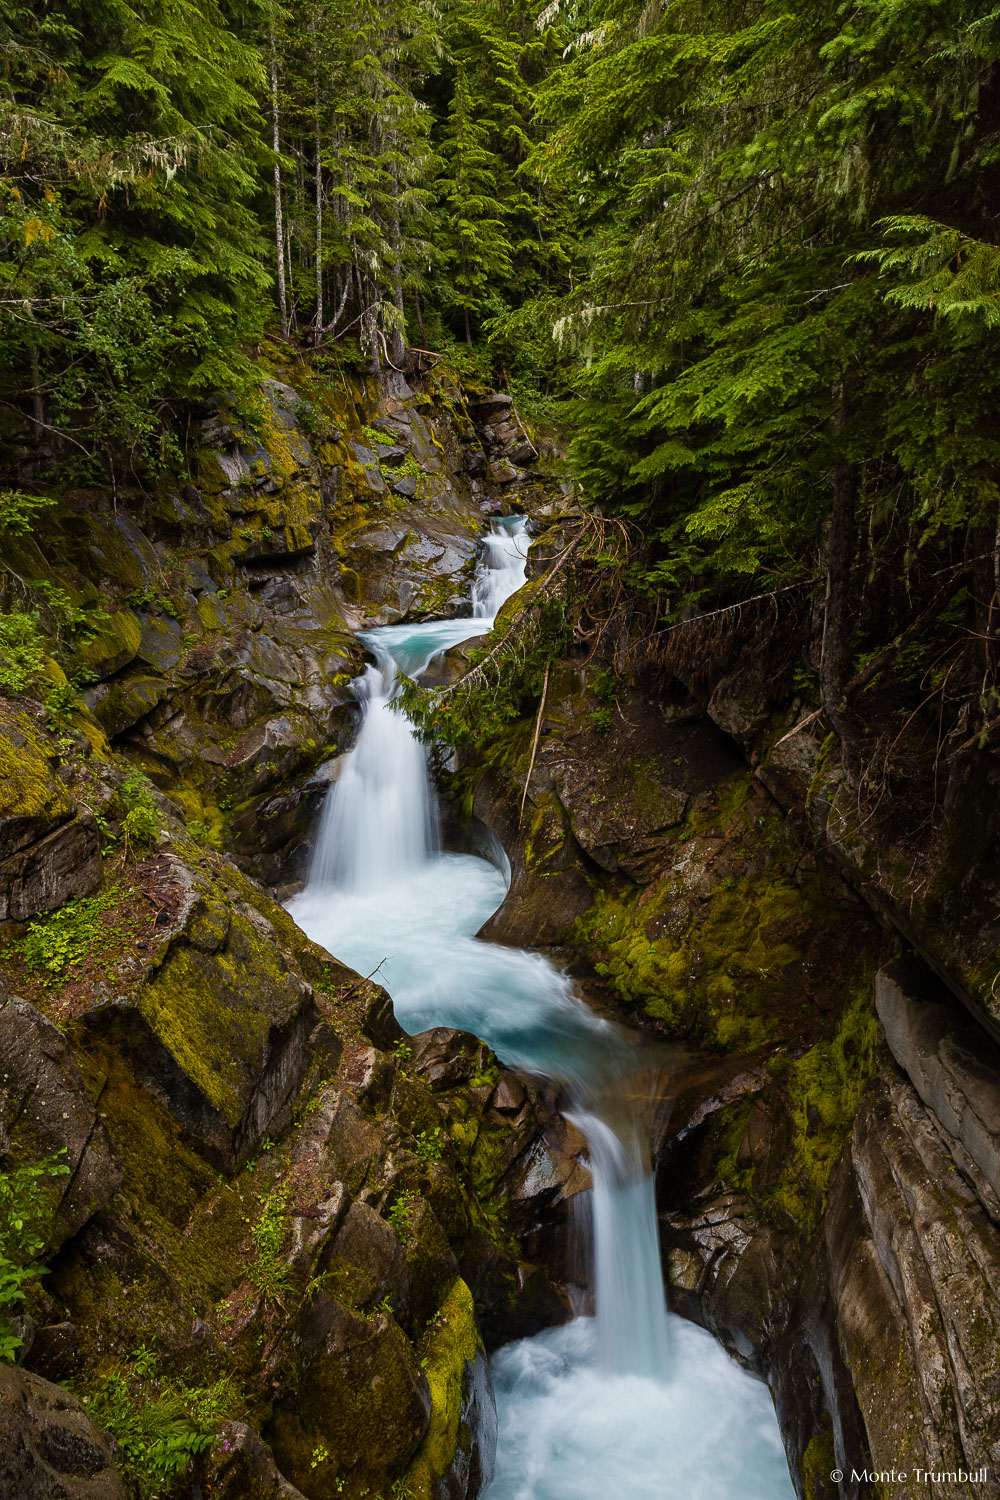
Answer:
(279, 230)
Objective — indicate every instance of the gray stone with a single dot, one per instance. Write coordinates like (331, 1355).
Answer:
(390, 455)
(406, 486)
(44, 1109)
(952, 1064)
(62, 866)
(49, 1447)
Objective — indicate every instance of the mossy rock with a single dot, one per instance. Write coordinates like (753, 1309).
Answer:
(113, 645)
(217, 1027)
(33, 800)
(456, 1456)
(362, 1401)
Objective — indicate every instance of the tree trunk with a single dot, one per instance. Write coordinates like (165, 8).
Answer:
(398, 344)
(318, 324)
(279, 229)
(835, 658)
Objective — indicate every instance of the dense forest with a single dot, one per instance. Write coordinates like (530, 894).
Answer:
(313, 315)
(744, 254)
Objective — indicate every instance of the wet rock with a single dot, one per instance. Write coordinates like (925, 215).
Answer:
(49, 1447)
(65, 864)
(389, 455)
(217, 1027)
(162, 643)
(406, 486)
(362, 1397)
(121, 703)
(241, 1467)
(45, 1109)
(619, 821)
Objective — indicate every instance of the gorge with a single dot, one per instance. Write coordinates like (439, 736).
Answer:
(499, 750)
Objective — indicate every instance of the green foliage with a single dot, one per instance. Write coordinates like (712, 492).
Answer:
(22, 651)
(19, 512)
(402, 1214)
(26, 1203)
(159, 1425)
(429, 1145)
(142, 823)
(58, 944)
(268, 1271)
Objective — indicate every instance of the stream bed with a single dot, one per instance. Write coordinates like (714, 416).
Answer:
(629, 1403)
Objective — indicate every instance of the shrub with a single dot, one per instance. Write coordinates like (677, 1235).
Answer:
(25, 1207)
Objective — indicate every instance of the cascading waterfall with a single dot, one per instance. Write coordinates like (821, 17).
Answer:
(614, 1405)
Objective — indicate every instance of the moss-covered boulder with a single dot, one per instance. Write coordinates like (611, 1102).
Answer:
(49, 1446)
(49, 849)
(455, 1459)
(217, 1020)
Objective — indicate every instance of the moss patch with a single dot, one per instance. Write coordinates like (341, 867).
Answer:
(451, 1343)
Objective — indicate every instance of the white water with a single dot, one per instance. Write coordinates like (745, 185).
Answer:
(622, 1404)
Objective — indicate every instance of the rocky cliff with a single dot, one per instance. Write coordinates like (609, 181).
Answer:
(277, 1232)
(828, 1158)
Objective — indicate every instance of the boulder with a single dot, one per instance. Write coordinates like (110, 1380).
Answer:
(45, 1109)
(217, 1025)
(49, 851)
(49, 1447)
(241, 1466)
(362, 1399)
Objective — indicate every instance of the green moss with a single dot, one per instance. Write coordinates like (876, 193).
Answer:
(824, 1088)
(706, 948)
(450, 1345)
(818, 1461)
(213, 1009)
(112, 644)
(28, 788)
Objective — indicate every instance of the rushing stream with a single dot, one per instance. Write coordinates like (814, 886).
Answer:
(627, 1404)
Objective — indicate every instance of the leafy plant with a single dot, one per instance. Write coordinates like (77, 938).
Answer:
(142, 824)
(25, 1207)
(60, 942)
(159, 1426)
(402, 1214)
(22, 651)
(429, 1145)
(19, 512)
(268, 1271)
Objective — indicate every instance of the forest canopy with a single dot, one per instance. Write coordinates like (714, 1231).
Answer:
(745, 253)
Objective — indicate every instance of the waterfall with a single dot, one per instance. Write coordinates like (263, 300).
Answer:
(378, 823)
(629, 1299)
(503, 566)
(607, 1405)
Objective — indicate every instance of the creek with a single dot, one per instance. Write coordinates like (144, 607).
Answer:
(626, 1402)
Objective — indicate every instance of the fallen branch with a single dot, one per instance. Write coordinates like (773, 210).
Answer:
(479, 669)
(534, 743)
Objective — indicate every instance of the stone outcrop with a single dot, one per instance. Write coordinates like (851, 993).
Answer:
(49, 847)
(49, 1446)
(45, 1110)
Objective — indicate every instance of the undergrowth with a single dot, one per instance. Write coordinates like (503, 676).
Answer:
(27, 1200)
(158, 1425)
